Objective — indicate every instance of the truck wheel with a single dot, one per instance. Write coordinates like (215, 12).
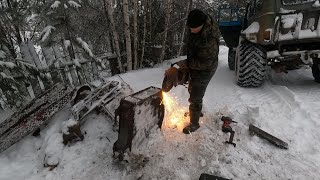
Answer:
(231, 58)
(316, 72)
(251, 64)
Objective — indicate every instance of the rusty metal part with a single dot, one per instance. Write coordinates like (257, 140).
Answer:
(138, 114)
(211, 177)
(274, 140)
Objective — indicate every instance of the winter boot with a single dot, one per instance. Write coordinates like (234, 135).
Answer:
(186, 114)
(194, 123)
(191, 127)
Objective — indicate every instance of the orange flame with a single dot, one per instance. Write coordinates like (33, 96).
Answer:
(174, 113)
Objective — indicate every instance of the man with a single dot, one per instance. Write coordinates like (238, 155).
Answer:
(202, 61)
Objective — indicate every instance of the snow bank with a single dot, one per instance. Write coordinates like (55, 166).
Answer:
(54, 150)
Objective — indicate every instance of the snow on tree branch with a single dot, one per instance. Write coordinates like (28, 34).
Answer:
(85, 46)
(46, 32)
(74, 4)
(4, 76)
(76, 62)
(7, 64)
(55, 5)
(66, 43)
(2, 54)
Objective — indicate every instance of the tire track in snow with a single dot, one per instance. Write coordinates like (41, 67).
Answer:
(281, 113)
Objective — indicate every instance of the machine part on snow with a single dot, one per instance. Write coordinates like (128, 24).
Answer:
(34, 115)
(96, 99)
(138, 114)
(275, 141)
(226, 128)
(211, 177)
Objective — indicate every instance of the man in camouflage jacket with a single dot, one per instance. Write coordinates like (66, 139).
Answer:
(202, 61)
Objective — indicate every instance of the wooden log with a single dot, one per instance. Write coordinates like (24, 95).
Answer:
(275, 141)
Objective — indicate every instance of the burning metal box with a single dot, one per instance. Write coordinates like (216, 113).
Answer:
(138, 114)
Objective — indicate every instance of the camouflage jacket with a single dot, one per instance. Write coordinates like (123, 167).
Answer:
(203, 47)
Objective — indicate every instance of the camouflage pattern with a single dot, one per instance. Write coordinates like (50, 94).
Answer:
(203, 47)
(202, 59)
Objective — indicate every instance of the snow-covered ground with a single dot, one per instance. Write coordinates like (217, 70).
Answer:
(287, 106)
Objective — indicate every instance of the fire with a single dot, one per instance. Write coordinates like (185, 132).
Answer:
(174, 113)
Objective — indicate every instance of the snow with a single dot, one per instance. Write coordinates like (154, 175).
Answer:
(287, 106)
(288, 21)
(69, 123)
(74, 4)
(273, 54)
(85, 46)
(66, 43)
(286, 11)
(5, 76)
(54, 149)
(253, 28)
(46, 32)
(55, 5)
(7, 64)
(316, 4)
(76, 62)
(2, 54)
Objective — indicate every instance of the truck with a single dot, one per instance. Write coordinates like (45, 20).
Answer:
(282, 34)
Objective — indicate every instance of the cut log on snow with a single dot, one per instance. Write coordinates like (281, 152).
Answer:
(138, 114)
(34, 115)
(71, 131)
(276, 141)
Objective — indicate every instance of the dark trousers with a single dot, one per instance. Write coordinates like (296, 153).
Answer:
(198, 83)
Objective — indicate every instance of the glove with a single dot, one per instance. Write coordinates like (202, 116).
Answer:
(183, 64)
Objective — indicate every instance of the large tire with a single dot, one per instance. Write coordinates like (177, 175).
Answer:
(251, 64)
(231, 58)
(316, 72)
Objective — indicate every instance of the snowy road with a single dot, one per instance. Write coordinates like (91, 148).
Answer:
(287, 106)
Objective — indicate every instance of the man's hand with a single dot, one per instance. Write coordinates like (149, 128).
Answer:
(183, 64)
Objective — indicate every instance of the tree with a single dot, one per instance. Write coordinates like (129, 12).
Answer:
(109, 10)
(168, 4)
(127, 34)
(135, 33)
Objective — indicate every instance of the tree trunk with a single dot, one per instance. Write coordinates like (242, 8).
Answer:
(144, 34)
(184, 28)
(166, 27)
(127, 34)
(135, 33)
(109, 12)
